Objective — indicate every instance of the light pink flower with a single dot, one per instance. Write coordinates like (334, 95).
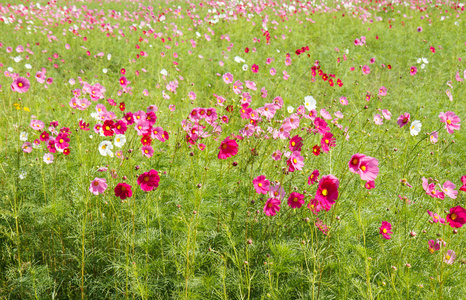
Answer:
(378, 119)
(98, 186)
(386, 114)
(366, 69)
(452, 121)
(449, 189)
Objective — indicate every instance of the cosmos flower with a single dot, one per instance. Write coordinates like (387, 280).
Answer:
(48, 158)
(403, 119)
(435, 217)
(449, 257)
(327, 191)
(457, 216)
(452, 121)
(98, 186)
(105, 148)
(227, 148)
(149, 181)
(296, 200)
(261, 184)
(20, 85)
(415, 127)
(272, 206)
(313, 177)
(385, 230)
(123, 191)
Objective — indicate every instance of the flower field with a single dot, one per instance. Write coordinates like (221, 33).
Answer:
(230, 149)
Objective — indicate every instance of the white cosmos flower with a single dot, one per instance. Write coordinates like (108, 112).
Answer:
(28, 66)
(239, 59)
(105, 148)
(23, 136)
(109, 56)
(120, 140)
(104, 70)
(10, 69)
(164, 72)
(310, 103)
(290, 109)
(245, 67)
(415, 127)
(17, 58)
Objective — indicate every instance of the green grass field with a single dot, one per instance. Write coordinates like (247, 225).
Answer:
(213, 95)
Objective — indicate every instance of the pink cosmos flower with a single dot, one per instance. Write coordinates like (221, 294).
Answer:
(227, 148)
(449, 189)
(325, 114)
(251, 85)
(48, 158)
(36, 124)
(255, 68)
(433, 136)
(343, 101)
(227, 78)
(327, 142)
(313, 177)
(123, 81)
(295, 162)
(457, 217)
(171, 107)
(383, 91)
(413, 71)
(378, 119)
(434, 246)
(123, 191)
(61, 141)
(385, 230)
(149, 181)
(321, 126)
(272, 206)
(368, 168)
(369, 184)
(237, 87)
(430, 189)
(435, 217)
(386, 114)
(403, 119)
(273, 71)
(261, 184)
(277, 191)
(366, 69)
(452, 121)
(27, 147)
(277, 155)
(296, 200)
(449, 257)
(147, 151)
(20, 85)
(98, 186)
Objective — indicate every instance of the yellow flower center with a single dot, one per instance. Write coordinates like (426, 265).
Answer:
(384, 230)
(107, 127)
(431, 250)
(363, 168)
(61, 141)
(20, 84)
(96, 183)
(118, 140)
(295, 199)
(123, 188)
(453, 216)
(146, 178)
(104, 146)
(293, 144)
(295, 160)
(146, 151)
(224, 146)
(259, 185)
(447, 257)
(324, 192)
(326, 141)
(448, 122)
(270, 204)
(275, 193)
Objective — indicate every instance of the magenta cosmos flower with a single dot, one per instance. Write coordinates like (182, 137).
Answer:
(327, 191)
(296, 200)
(435, 217)
(272, 206)
(255, 68)
(295, 162)
(385, 230)
(369, 184)
(403, 119)
(149, 181)
(313, 177)
(452, 121)
(227, 148)
(327, 142)
(261, 184)
(20, 85)
(434, 246)
(123, 191)
(413, 71)
(98, 186)
(296, 143)
(366, 70)
(457, 217)
(463, 181)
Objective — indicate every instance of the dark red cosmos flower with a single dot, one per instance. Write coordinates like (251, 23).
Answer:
(340, 84)
(330, 81)
(246, 50)
(108, 127)
(120, 127)
(327, 192)
(123, 71)
(129, 118)
(324, 77)
(66, 151)
(316, 150)
(146, 140)
(123, 191)
(83, 125)
(122, 106)
(389, 67)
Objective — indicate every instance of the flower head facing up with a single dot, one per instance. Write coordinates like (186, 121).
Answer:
(228, 148)
(327, 191)
(296, 200)
(98, 186)
(385, 230)
(368, 168)
(295, 162)
(457, 217)
(403, 119)
(20, 85)
(149, 181)
(313, 177)
(272, 206)
(452, 121)
(449, 257)
(123, 191)
(261, 184)
(415, 127)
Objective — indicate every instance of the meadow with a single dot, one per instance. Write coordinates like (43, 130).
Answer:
(230, 149)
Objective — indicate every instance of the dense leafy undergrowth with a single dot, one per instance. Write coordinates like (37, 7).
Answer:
(232, 150)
